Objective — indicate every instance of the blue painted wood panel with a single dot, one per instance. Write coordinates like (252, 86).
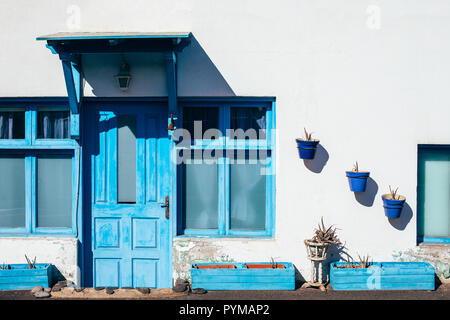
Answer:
(242, 278)
(384, 276)
(130, 241)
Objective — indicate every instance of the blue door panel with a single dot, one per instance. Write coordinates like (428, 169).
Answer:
(145, 233)
(107, 272)
(145, 273)
(107, 234)
(130, 241)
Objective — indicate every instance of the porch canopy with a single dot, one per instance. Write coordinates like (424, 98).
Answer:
(71, 45)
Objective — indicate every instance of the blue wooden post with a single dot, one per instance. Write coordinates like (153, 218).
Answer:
(74, 83)
(171, 61)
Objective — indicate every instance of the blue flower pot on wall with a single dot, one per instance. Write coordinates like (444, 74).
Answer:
(307, 149)
(357, 180)
(392, 208)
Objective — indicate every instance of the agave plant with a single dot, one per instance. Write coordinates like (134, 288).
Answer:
(5, 266)
(394, 194)
(364, 261)
(31, 264)
(308, 136)
(325, 235)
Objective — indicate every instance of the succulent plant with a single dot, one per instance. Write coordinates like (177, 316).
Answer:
(5, 266)
(394, 194)
(31, 264)
(325, 235)
(308, 136)
(364, 261)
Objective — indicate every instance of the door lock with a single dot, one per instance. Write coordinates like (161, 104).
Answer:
(166, 205)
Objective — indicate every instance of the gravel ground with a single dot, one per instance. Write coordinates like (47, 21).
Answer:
(441, 293)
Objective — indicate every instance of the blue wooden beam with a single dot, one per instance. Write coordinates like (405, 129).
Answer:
(74, 83)
(171, 61)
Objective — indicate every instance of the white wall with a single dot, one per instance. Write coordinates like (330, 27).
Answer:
(61, 252)
(370, 92)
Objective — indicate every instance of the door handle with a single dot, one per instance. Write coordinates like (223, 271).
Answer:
(165, 204)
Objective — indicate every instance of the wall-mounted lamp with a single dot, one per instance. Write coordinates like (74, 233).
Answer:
(124, 76)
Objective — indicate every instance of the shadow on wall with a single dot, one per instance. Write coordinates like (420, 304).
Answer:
(317, 164)
(405, 217)
(197, 74)
(56, 275)
(367, 197)
(299, 279)
(336, 252)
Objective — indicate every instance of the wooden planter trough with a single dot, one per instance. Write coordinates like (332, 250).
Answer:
(243, 276)
(383, 276)
(20, 277)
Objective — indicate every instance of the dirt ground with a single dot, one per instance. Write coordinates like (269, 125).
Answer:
(441, 293)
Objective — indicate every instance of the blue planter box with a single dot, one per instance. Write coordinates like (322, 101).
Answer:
(19, 277)
(384, 276)
(242, 278)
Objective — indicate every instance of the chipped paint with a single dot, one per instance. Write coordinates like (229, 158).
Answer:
(437, 256)
(187, 252)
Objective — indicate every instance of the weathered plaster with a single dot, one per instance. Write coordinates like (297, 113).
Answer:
(61, 252)
(189, 251)
(438, 256)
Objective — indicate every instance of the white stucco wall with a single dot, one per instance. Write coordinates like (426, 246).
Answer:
(61, 252)
(369, 87)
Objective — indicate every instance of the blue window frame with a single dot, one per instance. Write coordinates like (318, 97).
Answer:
(433, 194)
(45, 168)
(226, 179)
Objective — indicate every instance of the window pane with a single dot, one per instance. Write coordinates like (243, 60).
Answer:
(434, 193)
(12, 191)
(251, 123)
(53, 125)
(200, 188)
(126, 162)
(208, 116)
(247, 196)
(54, 191)
(12, 125)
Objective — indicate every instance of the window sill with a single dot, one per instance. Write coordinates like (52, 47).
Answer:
(429, 241)
(37, 235)
(224, 237)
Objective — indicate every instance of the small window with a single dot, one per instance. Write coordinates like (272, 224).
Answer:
(53, 124)
(200, 195)
(209, 118)
(54, 191)
(248, 123)
(12, 191)
(12, 124)
(126, 158)
(247, 195)
(434, 192)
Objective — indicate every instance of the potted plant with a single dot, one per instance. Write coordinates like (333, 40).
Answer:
(244, 276)
(363, 275)
(357, 179)
(317, 246)
(25, 276)
(307, 146)
(393, 204)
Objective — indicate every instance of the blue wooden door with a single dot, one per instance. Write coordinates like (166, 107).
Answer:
(129, 183)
